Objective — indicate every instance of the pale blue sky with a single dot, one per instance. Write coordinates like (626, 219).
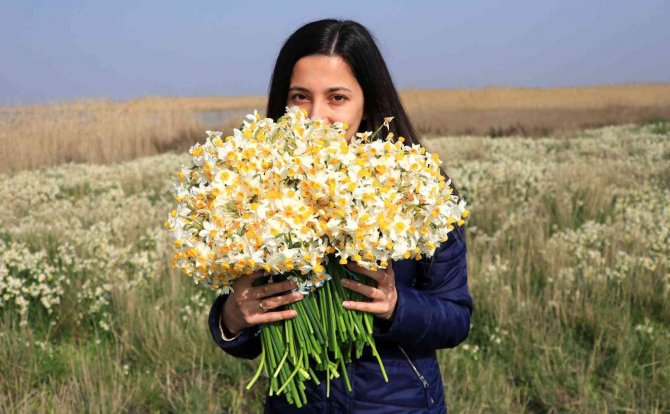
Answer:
(60, 50)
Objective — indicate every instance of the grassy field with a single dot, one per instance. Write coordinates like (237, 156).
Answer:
(568, 254)
(109, 132)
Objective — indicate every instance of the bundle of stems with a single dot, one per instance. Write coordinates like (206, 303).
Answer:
(323, 336)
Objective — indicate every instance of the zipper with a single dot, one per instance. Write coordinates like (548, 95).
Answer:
(418, 374)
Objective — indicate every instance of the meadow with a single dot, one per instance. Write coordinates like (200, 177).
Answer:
(568, 258)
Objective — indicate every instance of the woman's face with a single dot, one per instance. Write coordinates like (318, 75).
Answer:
(326, 87)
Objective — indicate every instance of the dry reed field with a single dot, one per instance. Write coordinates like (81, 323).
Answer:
(568, 258)
(109, 132)
(535, 112)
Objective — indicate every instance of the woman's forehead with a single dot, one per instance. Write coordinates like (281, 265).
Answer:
(323, 73)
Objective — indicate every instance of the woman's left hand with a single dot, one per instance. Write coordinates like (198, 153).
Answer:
(384, 296)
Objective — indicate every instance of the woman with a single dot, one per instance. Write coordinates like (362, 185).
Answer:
(335, 71)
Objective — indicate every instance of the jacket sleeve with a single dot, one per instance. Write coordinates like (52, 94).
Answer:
(245, 345)
(435, 313)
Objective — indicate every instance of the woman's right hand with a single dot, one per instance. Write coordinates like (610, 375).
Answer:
(250, 305)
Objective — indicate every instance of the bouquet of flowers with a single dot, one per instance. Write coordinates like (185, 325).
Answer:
(294, 199)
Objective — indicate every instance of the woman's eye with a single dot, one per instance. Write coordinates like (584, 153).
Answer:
(339, 98)
(299, 97)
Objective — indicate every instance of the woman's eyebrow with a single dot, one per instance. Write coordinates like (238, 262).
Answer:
(329, 90)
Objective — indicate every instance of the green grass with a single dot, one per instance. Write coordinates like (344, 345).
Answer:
(657, 125)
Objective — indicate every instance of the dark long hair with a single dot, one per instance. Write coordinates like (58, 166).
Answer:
(355, 44)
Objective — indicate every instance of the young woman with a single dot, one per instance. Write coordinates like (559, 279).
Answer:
(335, 71)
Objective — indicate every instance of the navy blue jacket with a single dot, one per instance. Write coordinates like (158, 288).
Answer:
(433, 311)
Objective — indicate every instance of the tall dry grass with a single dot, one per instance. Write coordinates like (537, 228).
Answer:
(499, 111)
(108, 132)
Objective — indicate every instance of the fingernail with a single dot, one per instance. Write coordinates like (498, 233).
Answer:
(345, 304)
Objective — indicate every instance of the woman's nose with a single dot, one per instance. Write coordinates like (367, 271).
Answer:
(320, 110)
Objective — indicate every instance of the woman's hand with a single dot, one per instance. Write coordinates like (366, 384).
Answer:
(250, 305)
(384, 296)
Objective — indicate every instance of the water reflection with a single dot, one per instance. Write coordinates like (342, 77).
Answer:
(220, 116)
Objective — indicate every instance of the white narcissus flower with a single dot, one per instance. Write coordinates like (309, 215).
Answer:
(276, 196)
(209, 231)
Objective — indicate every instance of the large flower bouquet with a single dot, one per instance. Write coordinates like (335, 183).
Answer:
(294, 199)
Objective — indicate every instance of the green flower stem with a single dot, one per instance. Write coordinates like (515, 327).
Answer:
(265, 351)
(277, 336)
(315, 305)
(305, 340)
(334, 344)
(287, 331)
(358, 323)
(261, 365)
(379, 359)
(359, 348)
(346, 374)
(291, 339)
(350, 324)
(308, 325)
(281, 363)
(289, 381)
(322, 337)
(327, 376)
(282, 370)
(274, 356)
(342, 326)
(308, 330)
(313, 375)
(367, 320)
(311, 307)
(324, 315)
(368, 323)
(267, 339)
(301, 391)
(332, 326)
(300, 328)
(315, 345)
(342, 294)
(312, 320)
